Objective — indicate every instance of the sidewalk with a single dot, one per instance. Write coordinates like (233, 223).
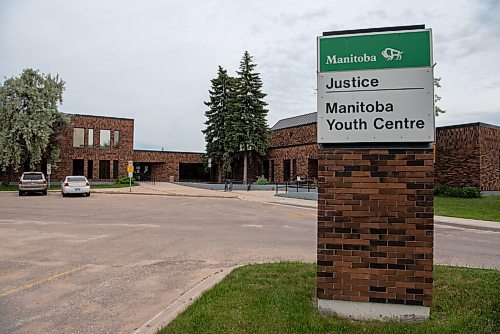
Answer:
(268, 197)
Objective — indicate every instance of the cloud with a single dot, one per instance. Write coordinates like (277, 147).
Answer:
(153, 61)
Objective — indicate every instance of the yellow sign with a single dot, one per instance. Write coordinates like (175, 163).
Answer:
(130, 169)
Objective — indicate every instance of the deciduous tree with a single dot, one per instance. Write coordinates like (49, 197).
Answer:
(30, 120)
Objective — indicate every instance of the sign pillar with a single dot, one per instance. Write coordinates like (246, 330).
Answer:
(376, 173)
(130, 171)
(49, 171)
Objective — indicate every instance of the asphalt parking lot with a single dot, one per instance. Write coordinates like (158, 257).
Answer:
(108, 263)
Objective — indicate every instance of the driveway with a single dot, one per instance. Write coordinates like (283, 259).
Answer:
(108, 263)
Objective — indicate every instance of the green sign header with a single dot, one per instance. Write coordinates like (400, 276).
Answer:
(375, 51)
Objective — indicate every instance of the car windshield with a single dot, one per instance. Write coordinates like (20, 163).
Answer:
(77, 179)
(34, 176)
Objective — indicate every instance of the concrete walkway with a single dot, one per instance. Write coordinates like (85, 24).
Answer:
(268, 197)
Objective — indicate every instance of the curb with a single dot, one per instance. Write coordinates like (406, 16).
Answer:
(160, 194)
(468, 226)
(169, 313)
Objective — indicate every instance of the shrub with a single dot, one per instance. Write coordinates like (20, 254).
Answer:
(124, 180)
(466, 192)
(261, 181)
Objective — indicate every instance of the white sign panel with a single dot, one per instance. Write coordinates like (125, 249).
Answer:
(49, 169)
(387, 105)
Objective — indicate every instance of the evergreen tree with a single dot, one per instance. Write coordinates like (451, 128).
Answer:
(218, 125)
(249, 130)
(31, 122)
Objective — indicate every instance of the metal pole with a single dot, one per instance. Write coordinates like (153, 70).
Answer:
(130, 183)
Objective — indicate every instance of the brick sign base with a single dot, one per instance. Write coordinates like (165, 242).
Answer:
(375, 233)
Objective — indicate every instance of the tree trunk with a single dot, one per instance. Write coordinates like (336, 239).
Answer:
(245, 166)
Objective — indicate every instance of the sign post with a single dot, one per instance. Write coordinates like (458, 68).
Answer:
(130, 171)
(375, 189)
(49, 171)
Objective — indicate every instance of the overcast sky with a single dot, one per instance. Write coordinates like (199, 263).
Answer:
(153, 60)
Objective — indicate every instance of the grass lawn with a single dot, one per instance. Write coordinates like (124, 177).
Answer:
(485, 208)
(58, 187)
(280, 298)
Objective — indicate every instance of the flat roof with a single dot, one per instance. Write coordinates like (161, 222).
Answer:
(467, 125)
(97, 116)
(159, 151)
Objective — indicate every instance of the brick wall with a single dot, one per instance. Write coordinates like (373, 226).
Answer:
(121, 152)
(166, 164)
(489, 145)
(468, 155)
(375, 226)
(299, 135)
(457, 156)
(301, 153)
(297, 143)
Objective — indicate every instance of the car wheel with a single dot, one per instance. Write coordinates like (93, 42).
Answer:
(64, 195)
(44, 193)
(20, 193)
(87, 194)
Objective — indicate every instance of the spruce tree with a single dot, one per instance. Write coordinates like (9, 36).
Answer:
(218, 124)
(249, 130)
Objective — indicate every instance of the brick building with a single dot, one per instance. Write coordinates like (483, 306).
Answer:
(466, 154)
(100, 148)
(293, 149)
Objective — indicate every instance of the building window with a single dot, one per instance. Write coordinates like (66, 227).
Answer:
(115, 169)
(78, 167)
(105, 138)
(78, 137)
(104, 171)
(90, 138)
(90, 169)
(116, 138)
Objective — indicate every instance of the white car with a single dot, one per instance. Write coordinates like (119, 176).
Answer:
(75, 185)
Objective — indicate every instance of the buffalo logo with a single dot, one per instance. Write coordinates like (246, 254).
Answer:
(390, 54)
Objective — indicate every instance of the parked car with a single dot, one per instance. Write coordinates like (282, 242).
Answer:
(75, 185)
(31, 182)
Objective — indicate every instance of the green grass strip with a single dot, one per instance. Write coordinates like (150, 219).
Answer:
(485, 208)
(280, 298)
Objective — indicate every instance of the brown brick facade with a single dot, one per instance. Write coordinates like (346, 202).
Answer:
(489, 148)
(165, 165)
(297, 147)
(121, 152)
(375, 226)
(468, 155)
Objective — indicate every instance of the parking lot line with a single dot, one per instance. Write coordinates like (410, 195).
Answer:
(43, 281)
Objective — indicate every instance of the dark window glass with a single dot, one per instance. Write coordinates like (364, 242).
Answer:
(272, 171)
(78, 166)
(90, 169)
(104, 171)
(286, 170)
(115, 169)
